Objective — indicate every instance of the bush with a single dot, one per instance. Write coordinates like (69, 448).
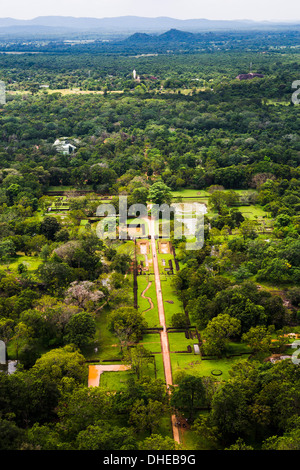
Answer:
(179, 320)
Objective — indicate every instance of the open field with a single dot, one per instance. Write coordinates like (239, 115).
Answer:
(201, 193)
(65, 91)
(31, 262)
(114, 381)
(252, 212)
(178, 341)
(151, 342)
(190, 193)
(193, 364)
(108, 344)
(171, 302)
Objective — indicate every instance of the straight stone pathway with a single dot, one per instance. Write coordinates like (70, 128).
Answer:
(163, 335)
(95, 371)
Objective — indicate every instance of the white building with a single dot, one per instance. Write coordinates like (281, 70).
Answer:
(2, 93)
(134, 75)
(64, 146)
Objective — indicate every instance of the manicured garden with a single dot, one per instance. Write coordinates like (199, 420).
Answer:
(171, 302)
(179, 342)
(150, 313)
(194, 365)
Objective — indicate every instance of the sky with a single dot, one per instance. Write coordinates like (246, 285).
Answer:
(271, 10)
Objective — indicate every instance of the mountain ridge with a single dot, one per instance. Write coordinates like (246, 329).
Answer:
(140, 23)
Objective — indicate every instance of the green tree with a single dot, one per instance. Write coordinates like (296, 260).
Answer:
(205, 429)
(103, 436)
(259, 338)
(157, 442)
(240, 445)
(188, 396)
(6, 329)
(83, 407)
(7, 249)
(43, 437)
(160, 193)
(29, 398)
(49, 227)
(12, 192)
(127, 323)
(61, 362)
(230, 404)
(146, 416)
(21, 336)
(218, 332)
(11, 435)
(276, 270)
(179, 320)
(139, 358)
(246, 311)
(248, 229)
(80, 329)
(217, 201)
(35, 244)
(290, 440)
(56, 276)
(121, 263)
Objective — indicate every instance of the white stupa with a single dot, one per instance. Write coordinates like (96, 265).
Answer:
(134, 75)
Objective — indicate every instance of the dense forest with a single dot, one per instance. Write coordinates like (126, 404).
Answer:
(161, 41)
(186, 129)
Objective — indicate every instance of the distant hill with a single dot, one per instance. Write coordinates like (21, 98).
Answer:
(173, 35)
(176, 35)
(136, 24)
(140, 37)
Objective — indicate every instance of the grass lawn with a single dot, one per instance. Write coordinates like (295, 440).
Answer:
(237, 348)
(160, 372)
(187, 192)
(252, 212)
(108, 344)
(32, 263)
(193, 364)
(191, 441)
(114, 381)
(143, 282)
(277, 103)
(124, 247)
(171, 302)
(151, 342)
(178, 341)
(40, 215)
(151, 316)
(165, 426)
(84, 222)
(78, 91)
(195, 193)
(68, 188)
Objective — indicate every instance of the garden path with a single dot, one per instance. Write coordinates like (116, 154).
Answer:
(163, 335)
